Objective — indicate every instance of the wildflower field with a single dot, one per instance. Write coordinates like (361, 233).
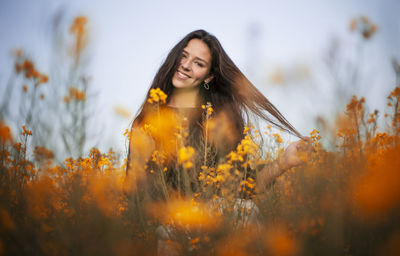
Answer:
(344, 200)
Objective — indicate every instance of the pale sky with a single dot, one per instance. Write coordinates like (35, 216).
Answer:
(129, 40)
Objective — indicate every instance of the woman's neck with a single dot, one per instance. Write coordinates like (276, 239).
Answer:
(184, 98)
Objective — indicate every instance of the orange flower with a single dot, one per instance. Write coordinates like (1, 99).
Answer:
(75, 94)
(378, 191)
(42, 153)
(121, 111)
(364, 26)
(43, 79)
(5, 133)
(66, 99)
(278, 241)
(26, 131)
(186, 213)
(28, 66)
(79, 29)
(6, 221)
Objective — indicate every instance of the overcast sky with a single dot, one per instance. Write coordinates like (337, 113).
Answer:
(129, 40)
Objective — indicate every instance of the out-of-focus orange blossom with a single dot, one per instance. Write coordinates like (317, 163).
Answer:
(279, 241)
(28, 68)
(364, 26)
(79, 30)
(121, 111)
(378, 190)
(5, 133)
(186, 213)
(25, 131)
(75, 94)
(193, 214)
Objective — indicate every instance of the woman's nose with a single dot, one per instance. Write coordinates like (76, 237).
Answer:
(185, 64)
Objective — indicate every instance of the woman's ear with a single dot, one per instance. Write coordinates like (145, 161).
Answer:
(209, 79)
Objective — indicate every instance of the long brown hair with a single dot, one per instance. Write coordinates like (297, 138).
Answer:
(231, 95)
(229, 90)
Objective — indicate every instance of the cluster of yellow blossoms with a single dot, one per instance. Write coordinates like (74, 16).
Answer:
(157, 96)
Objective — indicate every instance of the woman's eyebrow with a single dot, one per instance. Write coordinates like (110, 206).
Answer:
(196, 57)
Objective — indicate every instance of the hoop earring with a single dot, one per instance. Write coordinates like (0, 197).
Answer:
(206, 86)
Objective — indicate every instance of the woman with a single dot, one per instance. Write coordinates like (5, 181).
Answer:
(198, 74)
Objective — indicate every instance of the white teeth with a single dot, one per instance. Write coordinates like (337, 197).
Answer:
(181, 74)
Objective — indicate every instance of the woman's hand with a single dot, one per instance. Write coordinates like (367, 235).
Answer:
(295, 154)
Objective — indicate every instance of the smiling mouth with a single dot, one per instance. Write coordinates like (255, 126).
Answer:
(182, 75)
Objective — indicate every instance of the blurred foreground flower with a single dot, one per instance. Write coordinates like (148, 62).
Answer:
(5, 134)
(378, 191)
(185, 156)
(279, 241)
(79, 29)
(121, 111)
(185, 214)
(157, 96)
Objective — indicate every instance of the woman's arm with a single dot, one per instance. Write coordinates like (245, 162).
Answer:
(268, 174)
(294, 155)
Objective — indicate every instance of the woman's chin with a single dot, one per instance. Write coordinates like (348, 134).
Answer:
(180, 85)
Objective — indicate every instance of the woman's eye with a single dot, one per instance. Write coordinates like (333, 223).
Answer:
(199, 64)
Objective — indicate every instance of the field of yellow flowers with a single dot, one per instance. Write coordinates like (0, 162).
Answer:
(342, 201)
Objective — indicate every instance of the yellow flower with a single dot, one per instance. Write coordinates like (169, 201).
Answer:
(278, 138)
(104, 161)
(185, 156)
(127, 134)
(209, 110)
(233, 156)
(69, 162)
(224, 168)
(158, 157)
(157, 96)
(247, 146)
(315, 135)
(187, 213)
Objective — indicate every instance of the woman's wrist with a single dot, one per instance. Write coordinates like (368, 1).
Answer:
(279, 163)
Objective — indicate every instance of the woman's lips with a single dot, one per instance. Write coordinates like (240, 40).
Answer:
(181, 75)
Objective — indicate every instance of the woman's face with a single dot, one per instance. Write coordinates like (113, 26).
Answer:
(194, 67)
